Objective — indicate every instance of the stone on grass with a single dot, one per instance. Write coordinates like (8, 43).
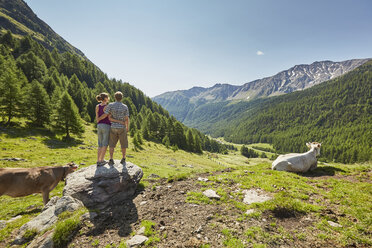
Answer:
(137, 240)
(52, 201)
(255, 196)
(93, 187)
(203, 179)
(48, 217)
(15, 218)
(2, 224)
(211, 194)
(141, 231)
(103, 186)
(152, 175)
(89, 216)
(334, 224)
(249, 211)
(43, 241)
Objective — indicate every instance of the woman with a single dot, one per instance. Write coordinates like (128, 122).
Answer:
(103, 127)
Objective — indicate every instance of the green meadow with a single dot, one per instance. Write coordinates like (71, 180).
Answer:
(333, 192)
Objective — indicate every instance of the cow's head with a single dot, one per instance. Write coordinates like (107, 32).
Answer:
(71, 167)
(316, 147)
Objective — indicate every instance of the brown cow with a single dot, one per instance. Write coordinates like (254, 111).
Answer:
(17, 182)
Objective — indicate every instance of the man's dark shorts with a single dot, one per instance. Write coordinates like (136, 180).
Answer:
(118, 134)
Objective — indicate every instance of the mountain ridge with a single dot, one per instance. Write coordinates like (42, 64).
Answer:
(299, 77)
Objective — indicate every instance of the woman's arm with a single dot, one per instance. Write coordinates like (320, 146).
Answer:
(114, 120)
(97, 113)
(103, 116)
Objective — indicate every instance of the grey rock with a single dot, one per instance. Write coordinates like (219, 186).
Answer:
(249, 211)
(153, 176)
(199, 230)
(52, 201)
(13, 159)
(48, 217)
(14, 218)
(253, 196)
(334, 224)
(141, 231)
(43, 241)
(66, 203)
(89, 216)
(137, 240)
(188, 165)
(211, 194)
(203, 179)
(100, 187)
(2, 224)
(18, 159)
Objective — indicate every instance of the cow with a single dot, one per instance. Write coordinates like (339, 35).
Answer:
(298, 162)
(18, 182)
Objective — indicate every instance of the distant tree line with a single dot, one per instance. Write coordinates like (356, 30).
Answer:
(57, 91)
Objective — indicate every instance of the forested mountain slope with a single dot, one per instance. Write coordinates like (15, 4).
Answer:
(17, 16)
(57, 89)
(337, 113)
(185, 103)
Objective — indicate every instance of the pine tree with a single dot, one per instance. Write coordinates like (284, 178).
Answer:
(145, 133)
(132, 130)
(139, 138)
(38, 104)
(10, 87)
(190, 141)
(180, 139)
(198, 146)
(67, 119)
(7, 39)
(166, 141)
(76, 89)
(32, 66)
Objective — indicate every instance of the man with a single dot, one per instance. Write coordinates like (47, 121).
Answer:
(119, 117)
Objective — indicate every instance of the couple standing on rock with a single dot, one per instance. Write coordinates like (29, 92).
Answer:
(112, 126)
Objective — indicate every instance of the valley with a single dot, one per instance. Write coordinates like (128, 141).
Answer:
(173, 210)
(198, 170)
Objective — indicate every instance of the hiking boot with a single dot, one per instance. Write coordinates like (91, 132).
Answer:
(122, 161)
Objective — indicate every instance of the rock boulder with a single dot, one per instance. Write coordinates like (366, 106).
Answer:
(99, 187)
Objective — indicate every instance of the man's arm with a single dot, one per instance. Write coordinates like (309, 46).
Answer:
(127, 122)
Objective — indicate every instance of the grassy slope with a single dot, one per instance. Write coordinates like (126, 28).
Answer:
(345, 189)
(22, 27)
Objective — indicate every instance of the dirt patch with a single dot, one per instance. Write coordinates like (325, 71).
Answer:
(182, 224)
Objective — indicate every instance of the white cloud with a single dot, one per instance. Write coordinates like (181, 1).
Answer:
(259, 53)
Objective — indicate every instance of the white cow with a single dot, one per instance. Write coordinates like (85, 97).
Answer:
(298, 162)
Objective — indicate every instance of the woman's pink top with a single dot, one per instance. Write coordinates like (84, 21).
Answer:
(100, 112)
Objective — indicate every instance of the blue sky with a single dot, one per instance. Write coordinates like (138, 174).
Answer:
(167, 45)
